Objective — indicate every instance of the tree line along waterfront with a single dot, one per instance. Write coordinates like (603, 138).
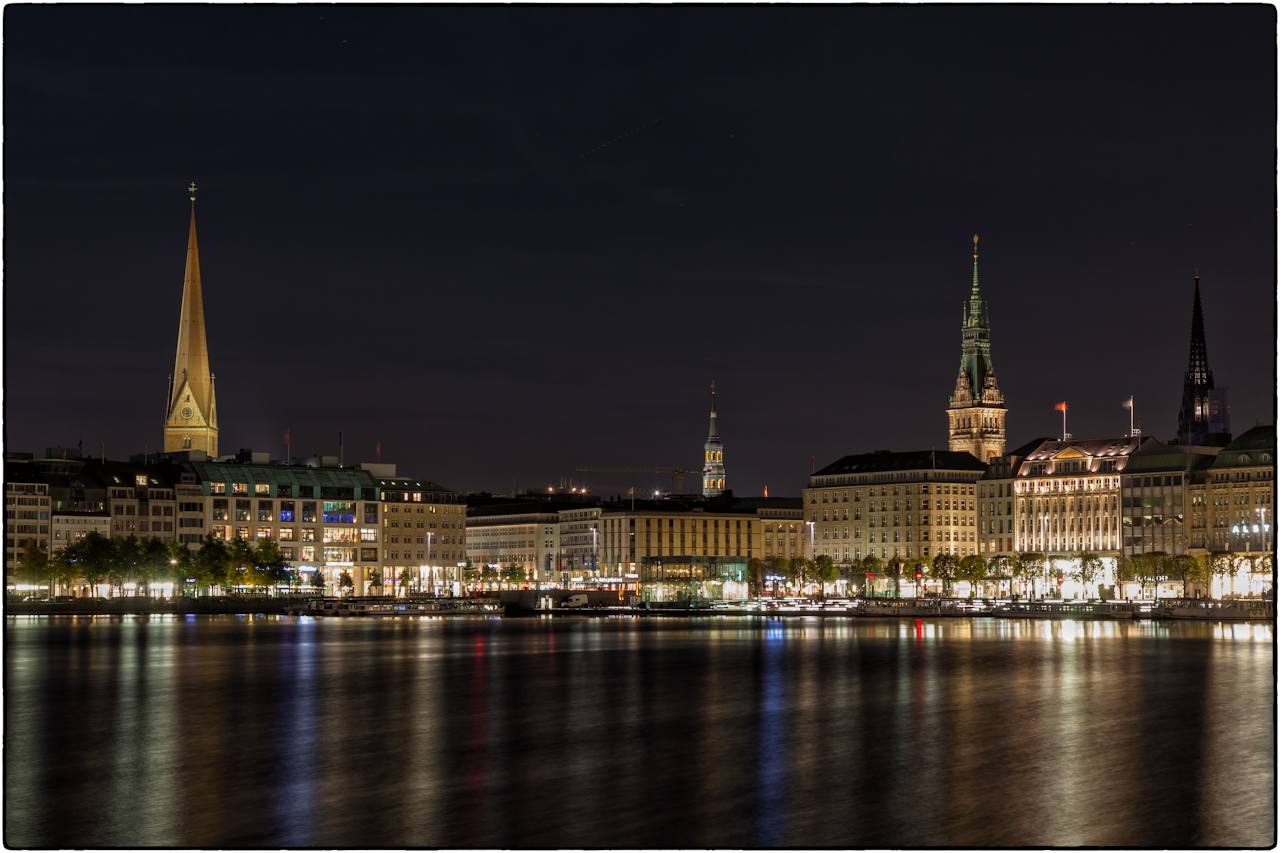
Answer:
(119, 566)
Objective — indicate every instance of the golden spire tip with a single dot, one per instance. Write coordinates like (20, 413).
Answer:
(192, 189)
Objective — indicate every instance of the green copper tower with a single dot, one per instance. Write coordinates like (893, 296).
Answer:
(976, 412)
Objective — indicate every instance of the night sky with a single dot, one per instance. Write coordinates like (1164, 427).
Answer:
(507, 241)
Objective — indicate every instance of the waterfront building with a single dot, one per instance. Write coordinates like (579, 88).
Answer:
(191, 416)
(1156, 493)
(1205, 415)
(140, 497)
(1232, 503)
(894, 505)
(713, 480)
(1067, 495)
(681, 547)
(784, 532)
(976, 414)
(580, 543)
(523, 535)
(424, 529)
(995, 500)
(26, 510)
(324, 519)
(71, 526)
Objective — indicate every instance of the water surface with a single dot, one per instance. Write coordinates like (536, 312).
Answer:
(569, 732)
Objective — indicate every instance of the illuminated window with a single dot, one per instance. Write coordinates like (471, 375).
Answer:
(264, 532)
(308, 553)
(239, 488)
(262, 489)
(307, 534)
(286, 534)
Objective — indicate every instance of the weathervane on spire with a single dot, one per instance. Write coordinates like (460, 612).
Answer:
(192, 189)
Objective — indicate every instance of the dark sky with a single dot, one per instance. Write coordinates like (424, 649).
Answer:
(507, 241)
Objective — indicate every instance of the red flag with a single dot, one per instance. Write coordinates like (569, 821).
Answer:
(378, 450)
(286, 435)
(766, 491)
(1061, 407)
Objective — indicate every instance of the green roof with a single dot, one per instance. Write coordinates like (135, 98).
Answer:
(1255, 447)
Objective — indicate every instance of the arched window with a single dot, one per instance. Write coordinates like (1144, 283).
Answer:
(1265, 458)
(1243, 460)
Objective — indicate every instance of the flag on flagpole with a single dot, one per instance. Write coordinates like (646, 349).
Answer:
(378, 450)
(1061, 407)
(286, 435)
(1127, 404)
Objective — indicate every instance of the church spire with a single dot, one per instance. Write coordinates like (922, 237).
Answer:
(1205, 415)
(192, 418)
(713, 455)
(1198, 363)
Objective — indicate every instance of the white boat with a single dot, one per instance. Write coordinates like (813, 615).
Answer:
(900, 608)
(1056, 610)
(382, 607)
(1240, 610)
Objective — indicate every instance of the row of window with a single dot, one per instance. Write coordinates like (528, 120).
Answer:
(925, 489)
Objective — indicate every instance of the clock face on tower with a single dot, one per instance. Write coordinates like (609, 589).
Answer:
(186, 413)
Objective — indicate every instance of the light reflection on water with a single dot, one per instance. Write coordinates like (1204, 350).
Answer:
(720, 731)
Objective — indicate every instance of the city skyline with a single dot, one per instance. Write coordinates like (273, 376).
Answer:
(514, 350)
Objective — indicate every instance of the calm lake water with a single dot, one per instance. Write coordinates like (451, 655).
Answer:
(629, 732)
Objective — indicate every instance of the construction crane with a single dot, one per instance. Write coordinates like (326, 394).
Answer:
(679, 472)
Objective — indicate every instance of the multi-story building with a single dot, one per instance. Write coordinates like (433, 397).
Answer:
(782, 525)
(995, 500)
(1232, 503)
(26, 509)
(580, 542)
(665, 549)
(191, 413)
(1067, 501)
(523, 535)
(977, 412)
(324, 519)
(69, 526)
(1156, 494)
(894, 505)
(424, 530)
(140, 497)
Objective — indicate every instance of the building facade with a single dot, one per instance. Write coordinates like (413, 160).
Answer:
(580, 543)
(1232, 503)
(191, 416)
(894, 505)
(976, 415)
(523, 535)
(1067, 495)
(424, 535)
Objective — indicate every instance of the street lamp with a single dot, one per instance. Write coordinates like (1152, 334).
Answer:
(430, 536)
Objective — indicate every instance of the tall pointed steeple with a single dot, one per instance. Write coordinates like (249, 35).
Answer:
(976, 411)
(713, 461)
(191, 419)
(1204, 418)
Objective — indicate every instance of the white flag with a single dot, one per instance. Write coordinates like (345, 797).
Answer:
(1127, 404)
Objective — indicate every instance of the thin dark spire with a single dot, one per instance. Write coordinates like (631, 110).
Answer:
(714, 431)
(1198, 362)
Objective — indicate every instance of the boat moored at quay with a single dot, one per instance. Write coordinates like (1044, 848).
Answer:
(377, 607)
(1236, 610)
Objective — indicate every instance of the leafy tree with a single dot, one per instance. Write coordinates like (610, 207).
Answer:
(868, 565)
(1219, 564)
(1150, 568)
(1185, 569)
(1088, 569)
(405, 579)
(346, 581)
(153, 562)
(240, 563)
(270, 568)
(179, 564)
(1029, 567)
(946, 568)
(800, 570)
(123, 567)
(756, 570)
(972, 569)
(34, 565)
(211, 564)
(824, 571)
(317, 579)
(89, 558)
